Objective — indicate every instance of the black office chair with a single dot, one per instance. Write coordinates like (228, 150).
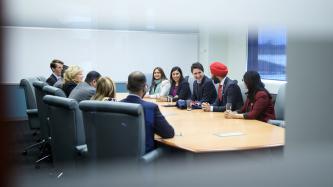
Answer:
(51, 90)
(115, 130)
(186, 77)
(32, 111)
(43, 120)
(67, 130)
(190, 81)
(279, 107)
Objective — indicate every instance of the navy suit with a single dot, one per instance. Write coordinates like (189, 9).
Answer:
(205, 91)
(183, 90)
(231, 93)
(51, 80)
(154, 121)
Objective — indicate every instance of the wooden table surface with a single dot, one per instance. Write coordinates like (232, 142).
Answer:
(199, 131)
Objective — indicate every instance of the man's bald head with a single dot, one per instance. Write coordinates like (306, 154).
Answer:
(136, 82)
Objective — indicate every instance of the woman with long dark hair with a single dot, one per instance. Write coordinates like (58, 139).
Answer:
(160, 85)
(180, 88)
(258, 104)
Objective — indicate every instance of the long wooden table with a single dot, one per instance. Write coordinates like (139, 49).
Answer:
(199, 131)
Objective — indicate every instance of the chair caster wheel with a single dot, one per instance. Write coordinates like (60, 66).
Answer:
(24, 153)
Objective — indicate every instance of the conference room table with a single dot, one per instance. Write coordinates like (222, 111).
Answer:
(201, 132)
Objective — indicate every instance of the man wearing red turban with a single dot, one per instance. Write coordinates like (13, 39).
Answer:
(228, 90)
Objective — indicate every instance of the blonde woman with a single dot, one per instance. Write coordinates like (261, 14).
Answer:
(105, 90)
(73, 76)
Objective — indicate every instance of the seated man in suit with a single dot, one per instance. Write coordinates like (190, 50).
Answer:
(85, 90)
(154, 120)
(60, 81)
(56, 67)
(228, 90)
(203, 87)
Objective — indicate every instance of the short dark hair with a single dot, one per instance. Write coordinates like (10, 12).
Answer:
(136, 81)
(197, 65)
(91, 76)
(54, 63)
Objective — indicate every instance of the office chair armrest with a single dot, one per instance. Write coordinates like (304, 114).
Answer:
(152, 155)
(82, 150)
(31, 112)
(280, 123)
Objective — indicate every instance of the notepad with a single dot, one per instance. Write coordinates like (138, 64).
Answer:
(227, 134)
(169, 105)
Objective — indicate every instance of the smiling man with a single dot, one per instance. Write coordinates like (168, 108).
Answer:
(228, 90)
(56, 67)
(203, 87)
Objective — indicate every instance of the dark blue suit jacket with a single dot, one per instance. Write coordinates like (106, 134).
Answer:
(51, 80)
(183, 91)
(205, 91)
(231, 93)
(154, 121)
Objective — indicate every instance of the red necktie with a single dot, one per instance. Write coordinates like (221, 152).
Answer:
(219, 94)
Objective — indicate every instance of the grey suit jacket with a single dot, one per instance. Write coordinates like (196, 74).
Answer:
(82, 91)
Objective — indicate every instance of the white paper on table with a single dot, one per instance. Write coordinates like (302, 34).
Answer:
(227, 134)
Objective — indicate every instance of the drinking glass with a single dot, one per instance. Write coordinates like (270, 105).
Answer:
(188, 104)
(169, 100)
(228, 107)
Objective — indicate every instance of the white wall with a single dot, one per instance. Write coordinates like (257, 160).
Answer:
(204, 47)
(237, 54)
(116, 53)
(29, 51)
(213, 47)
(230, 48)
